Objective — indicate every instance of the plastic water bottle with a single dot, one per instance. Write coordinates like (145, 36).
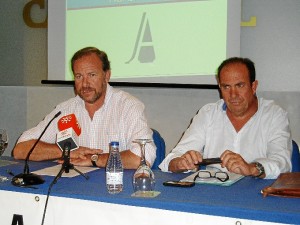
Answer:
(114, 170)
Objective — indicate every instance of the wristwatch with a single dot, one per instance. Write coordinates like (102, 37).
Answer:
(260, 169)
(94, 159)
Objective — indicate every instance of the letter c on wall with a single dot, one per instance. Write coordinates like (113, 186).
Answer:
(27, 16)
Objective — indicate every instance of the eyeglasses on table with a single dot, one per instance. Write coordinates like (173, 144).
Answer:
(205, 174)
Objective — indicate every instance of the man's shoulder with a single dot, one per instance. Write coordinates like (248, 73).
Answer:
(270, 105)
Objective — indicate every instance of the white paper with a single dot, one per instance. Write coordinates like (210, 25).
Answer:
(54, 170)
(4, 162)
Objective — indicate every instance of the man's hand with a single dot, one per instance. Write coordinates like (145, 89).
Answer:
(82, 156)
(84, 153)
(236, 164)
(186, 162)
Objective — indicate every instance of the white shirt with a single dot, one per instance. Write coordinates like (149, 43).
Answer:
(121, 118)
(265, 138)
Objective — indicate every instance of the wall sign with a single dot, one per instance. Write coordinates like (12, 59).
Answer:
(27, 14)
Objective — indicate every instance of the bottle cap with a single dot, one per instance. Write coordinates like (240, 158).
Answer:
(114, 143)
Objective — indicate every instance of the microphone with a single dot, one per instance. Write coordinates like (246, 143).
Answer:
(69, 132)
(26, 178)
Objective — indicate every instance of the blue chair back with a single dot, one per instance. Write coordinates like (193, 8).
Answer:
(160, 148)
(295, 158)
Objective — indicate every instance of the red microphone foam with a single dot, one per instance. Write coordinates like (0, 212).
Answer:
(69, 121)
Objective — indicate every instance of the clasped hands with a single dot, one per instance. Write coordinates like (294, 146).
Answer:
(82, 156)
(233, 162)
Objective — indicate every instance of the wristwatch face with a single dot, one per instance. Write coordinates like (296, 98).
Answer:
(94, 159)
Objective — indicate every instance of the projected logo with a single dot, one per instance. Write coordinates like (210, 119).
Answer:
(143, 49)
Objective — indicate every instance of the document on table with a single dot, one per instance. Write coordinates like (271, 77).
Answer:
(233, 177)
(4, 162)
(54, 170)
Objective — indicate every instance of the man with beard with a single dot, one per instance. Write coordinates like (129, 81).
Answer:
(104, 113)
(251, 135)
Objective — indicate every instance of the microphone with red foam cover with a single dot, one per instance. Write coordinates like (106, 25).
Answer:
(69, 132)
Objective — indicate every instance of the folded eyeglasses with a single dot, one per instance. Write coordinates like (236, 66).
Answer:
(205, 174)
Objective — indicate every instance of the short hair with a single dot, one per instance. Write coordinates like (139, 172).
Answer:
(245, 61)
(88, 51)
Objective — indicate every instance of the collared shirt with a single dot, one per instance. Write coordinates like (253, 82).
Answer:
(265, 138)
(121, 118)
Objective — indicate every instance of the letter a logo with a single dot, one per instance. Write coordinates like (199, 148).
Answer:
(143, 44)
(17, 220)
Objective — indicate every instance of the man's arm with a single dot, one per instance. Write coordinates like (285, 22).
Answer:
(235, 163)
(42, 151)
(193, 138)
(48, 151)
(129, 160)
(136, 127)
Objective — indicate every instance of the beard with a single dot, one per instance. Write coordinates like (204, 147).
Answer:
(89, 99)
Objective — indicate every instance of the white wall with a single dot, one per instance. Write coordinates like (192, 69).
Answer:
(274, 43)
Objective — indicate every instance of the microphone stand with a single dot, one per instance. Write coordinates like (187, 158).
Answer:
(66, 166)
(26, 178)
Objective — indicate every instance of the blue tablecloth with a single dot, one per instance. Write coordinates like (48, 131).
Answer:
(241, 200)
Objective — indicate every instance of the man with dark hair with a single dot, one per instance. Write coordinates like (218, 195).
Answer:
(104, 113)
(250, 135)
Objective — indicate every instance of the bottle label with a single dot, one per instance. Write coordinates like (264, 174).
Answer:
(114, 178)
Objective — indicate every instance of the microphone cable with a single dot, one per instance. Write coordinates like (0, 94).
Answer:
(48, 195)
(49, 190)
(65, 167)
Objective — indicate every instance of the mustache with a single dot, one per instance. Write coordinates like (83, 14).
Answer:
(86, 89)
(234, 99)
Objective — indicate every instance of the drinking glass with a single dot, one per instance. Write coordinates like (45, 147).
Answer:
(3, 145)
(3, 141)
(143, 178)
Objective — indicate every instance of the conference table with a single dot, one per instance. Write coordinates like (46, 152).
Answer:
(79, 201)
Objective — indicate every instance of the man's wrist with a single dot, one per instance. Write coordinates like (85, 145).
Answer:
(101, 160)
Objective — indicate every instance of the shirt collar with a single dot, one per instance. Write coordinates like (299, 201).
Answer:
(224, 106)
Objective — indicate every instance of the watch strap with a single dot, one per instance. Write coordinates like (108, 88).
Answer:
(94, 163)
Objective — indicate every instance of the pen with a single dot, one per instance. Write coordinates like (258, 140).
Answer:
(209, 161)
